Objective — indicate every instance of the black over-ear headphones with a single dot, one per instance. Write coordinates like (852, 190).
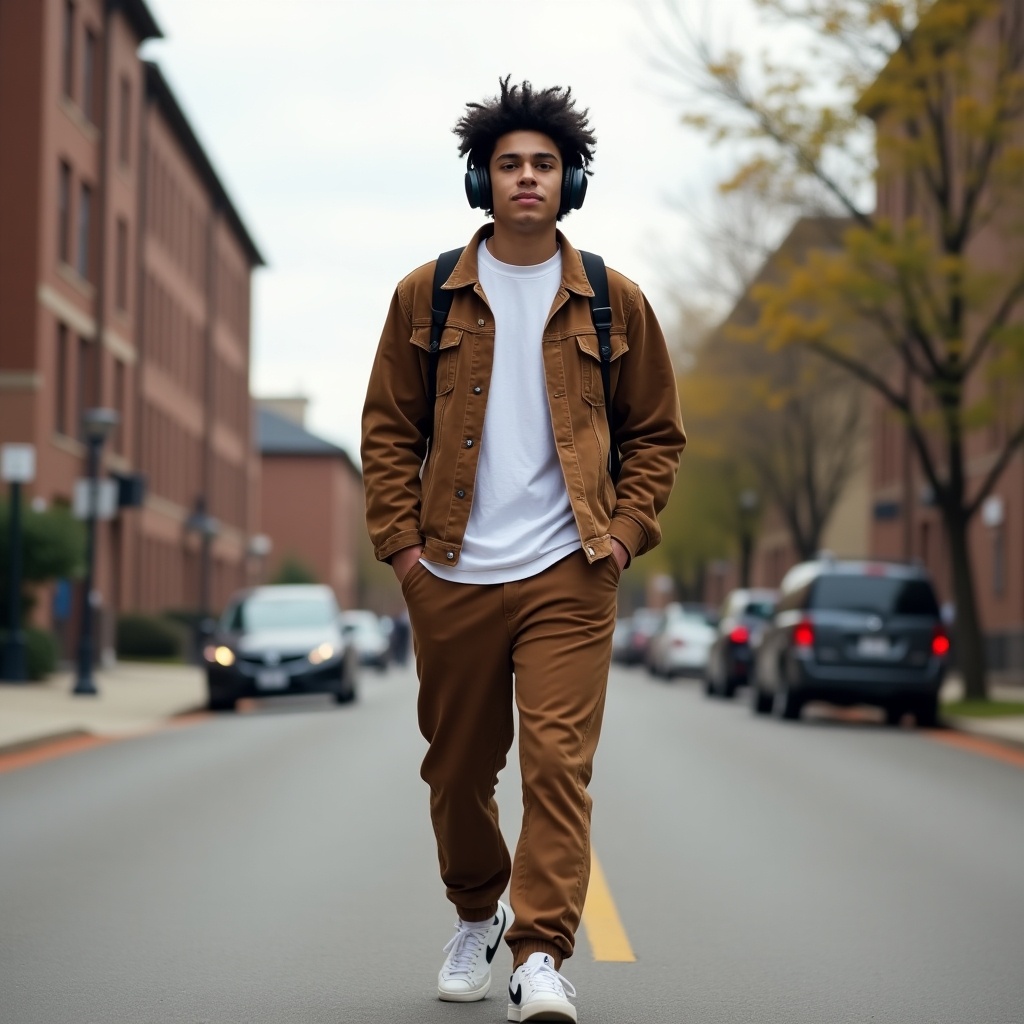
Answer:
(574, 187)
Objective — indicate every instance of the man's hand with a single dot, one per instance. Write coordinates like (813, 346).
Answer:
(620, 553)
(402, 561)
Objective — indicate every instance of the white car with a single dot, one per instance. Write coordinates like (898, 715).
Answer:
(681, 646)
(365, 630)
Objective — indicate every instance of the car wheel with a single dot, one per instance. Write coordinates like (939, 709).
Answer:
(346, 696)
(219, 703)
(787, 705)
(926, 713)
(709, 686)
(728, 689)
(760, 700)
(894, 714)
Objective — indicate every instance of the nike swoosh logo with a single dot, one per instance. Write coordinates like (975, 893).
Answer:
(516, 996)
(491, 950)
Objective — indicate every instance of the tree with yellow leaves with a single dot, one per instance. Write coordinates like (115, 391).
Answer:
(937, 265)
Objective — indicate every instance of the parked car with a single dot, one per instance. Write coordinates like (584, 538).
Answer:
(367, 633)
(853, 632)
(642, 625)
(743, 617)
(681, 644)
(277, 640)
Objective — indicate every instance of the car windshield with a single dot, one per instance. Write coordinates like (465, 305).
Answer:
(280, 613)
(877, 595)
(759, 609)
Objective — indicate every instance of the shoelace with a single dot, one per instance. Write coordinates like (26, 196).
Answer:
(465, 946)
(545, 978)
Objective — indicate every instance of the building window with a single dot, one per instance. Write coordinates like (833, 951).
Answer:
(84, 218)
(89, 76)
(68, 50)
(121, 268)
(124, 120)
(64, 214)
(60, 381)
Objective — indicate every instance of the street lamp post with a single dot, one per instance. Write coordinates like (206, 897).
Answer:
(17, 467)
(97, 425)
(207, 527)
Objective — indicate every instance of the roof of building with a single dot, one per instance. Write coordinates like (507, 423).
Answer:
(278, 435)
(160, 90)
(141, 18)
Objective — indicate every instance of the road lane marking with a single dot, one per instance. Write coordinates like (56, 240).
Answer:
(608, 940)
(980, 745)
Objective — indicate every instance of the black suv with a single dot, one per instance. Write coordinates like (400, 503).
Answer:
(853, 632)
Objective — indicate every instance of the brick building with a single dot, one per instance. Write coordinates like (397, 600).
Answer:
(905, 521)
(125, 276)
(312, 499)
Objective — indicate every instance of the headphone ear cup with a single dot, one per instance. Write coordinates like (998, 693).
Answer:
(574, 188)
(478, 187)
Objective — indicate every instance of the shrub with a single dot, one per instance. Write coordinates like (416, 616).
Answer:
(294, 570)
(40, 651)
(41, 647)
(149, 636)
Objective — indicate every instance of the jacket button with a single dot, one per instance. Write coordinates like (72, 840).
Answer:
(469, 443)
(480, 323)
(477, 390)
(590, 551)
(450, 555)
(460, 494)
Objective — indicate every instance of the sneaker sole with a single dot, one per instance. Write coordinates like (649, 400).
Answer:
(543, 1010)
(470, 996)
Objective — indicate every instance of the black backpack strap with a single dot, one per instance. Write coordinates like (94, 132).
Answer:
(601, 314)
(440, 307)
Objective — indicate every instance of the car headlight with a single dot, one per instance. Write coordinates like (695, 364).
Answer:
(321, 654)
(222, 655)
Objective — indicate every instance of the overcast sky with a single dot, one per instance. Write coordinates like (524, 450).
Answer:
(329, 122)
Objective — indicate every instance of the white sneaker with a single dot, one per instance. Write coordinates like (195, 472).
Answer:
(538, 992)
(466, 973)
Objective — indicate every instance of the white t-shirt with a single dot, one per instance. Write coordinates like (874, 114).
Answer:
(521, 520)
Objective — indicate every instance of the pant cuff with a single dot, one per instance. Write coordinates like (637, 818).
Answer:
(522, 948)
(475, 914)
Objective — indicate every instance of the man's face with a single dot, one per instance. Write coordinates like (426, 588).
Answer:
(526, 180)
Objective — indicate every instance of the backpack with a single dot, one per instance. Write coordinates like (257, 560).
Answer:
(600, 313)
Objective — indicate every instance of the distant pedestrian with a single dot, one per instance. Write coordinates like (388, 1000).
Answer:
(490, 490)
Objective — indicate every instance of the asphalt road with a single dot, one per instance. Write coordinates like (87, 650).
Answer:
(278, 866)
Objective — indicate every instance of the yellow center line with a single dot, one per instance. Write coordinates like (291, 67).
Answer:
(601, 921)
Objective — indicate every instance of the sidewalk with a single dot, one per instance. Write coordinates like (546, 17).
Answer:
(134, 697)
(1009, 729)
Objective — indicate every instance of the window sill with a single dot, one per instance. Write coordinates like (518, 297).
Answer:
(75, 279)
(78, 118)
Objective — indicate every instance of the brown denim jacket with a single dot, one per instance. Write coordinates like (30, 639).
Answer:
(411, 501)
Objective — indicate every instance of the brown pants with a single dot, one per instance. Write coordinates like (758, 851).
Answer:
(553, 633)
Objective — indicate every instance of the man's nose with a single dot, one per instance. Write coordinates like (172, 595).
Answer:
(527, 173)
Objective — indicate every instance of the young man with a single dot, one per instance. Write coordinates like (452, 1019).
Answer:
(493, 500)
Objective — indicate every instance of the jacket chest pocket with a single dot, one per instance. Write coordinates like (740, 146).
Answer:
(592, 384)
(447, 354)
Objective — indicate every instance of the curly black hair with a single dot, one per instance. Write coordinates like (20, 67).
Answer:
(523, 108)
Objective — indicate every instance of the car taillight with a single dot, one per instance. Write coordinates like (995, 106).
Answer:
(803, 635)
(740, 635)
(940, 642)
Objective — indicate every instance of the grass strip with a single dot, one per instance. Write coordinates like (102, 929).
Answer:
(983, 708)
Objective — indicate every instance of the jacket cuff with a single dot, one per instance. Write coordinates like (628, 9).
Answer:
(397, 542)
(630, 534)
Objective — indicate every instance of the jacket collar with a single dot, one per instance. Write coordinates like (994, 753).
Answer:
(466, 271)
